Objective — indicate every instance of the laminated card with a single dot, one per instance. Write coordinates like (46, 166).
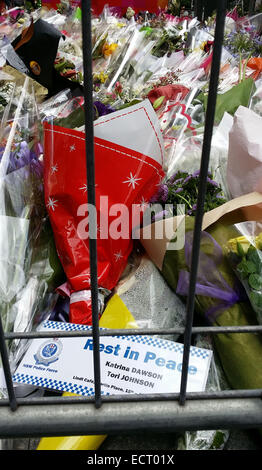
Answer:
(129, 364)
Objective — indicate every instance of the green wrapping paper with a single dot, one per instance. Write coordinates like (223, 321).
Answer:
(239, 353)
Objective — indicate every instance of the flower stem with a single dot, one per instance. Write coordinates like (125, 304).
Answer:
(245, 66)
(240, 66)
(184, 199)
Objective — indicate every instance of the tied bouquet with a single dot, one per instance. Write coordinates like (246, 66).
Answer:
(220, 298)
(245, 256)
(29, 263)
(128, 168)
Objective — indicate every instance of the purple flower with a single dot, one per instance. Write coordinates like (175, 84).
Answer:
(163, 192)
(37, 168)
(161, 195)
(23, 157)
(196, 173)
(39, 149)
(214, 183)
(20, 157)
(178, 181)
(102, 109)
(178, 190)
(188, 178)
(172, 179)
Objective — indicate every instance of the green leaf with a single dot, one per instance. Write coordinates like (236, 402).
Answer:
(219, 440)
(240, 250)
(78, 14)
(251, 267)
(255, 257)
(255, 281)
(242, 269)
(229, 102)
(158, 102)
(256, 299)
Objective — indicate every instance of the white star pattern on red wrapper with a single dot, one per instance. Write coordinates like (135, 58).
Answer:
(118, 255)
(54, 169)
(143, 203)
(72, 148)
(132, 181)
(84, 188)
(52, 203)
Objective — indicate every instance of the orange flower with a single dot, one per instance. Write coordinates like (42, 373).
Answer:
(255, 63)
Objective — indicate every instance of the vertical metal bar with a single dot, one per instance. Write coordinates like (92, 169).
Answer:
(90, 166)
(7, 370)
(199, 6)
(251, 7)
(209, 122)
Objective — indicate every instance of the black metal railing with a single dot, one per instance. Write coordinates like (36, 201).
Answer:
(83, 415)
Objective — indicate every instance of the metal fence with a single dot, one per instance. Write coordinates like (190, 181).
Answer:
(79, 415)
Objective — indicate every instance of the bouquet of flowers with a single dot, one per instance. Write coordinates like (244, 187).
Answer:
(245, 256)
(29, 263)
(182, 188)
(220, 298)
(138, 159)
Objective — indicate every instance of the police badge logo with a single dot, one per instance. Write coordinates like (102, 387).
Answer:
(48, 352)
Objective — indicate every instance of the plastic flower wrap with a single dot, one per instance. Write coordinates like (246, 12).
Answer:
(12, 21)
(245, 256)
(142, 63)
(220, 297)
(128, 168)
(207, 439)
(244, 169)
(149, 298)
(29, 264)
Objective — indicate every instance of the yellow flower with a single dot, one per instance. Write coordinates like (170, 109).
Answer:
(233, 243)
(108, 49)
(259, 241)
(202, 47)
(100, 77)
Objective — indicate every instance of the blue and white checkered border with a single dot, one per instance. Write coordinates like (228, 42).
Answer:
(55, 384)
(148, 340)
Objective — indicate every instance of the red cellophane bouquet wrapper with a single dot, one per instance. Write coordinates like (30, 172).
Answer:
(128, 168)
